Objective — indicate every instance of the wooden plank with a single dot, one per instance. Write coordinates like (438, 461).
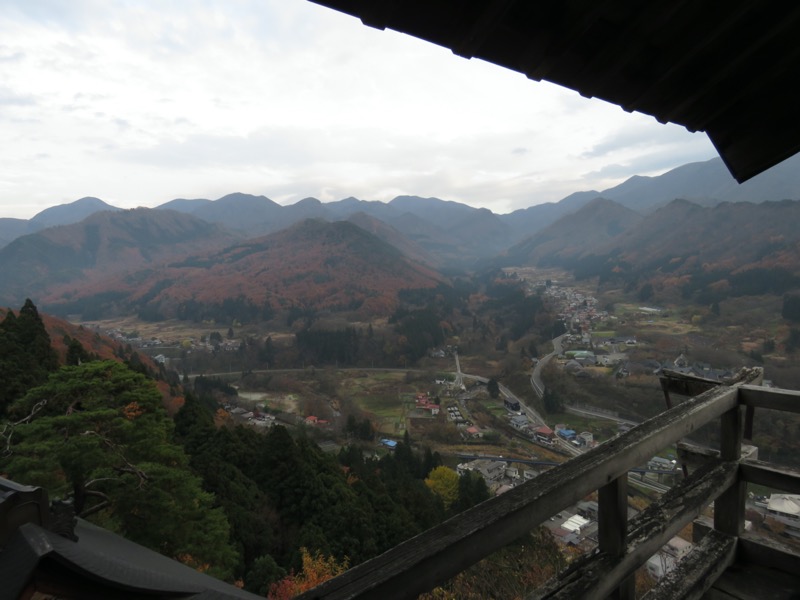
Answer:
(769, 475)
(755, 582)
(771, 398)
(729, 507)
(683, 384)
(596, 576)
(438, 554)
(768, 552)
(698, 571)
(612, 529)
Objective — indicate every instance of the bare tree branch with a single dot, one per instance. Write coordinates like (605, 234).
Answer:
(8, 428)
(130, 468)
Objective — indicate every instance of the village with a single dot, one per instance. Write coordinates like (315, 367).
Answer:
(581, 351)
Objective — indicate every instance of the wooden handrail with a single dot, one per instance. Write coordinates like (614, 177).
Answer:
(596, 575)
(436, 555)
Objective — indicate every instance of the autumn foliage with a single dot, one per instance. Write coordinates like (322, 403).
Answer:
(317, 569)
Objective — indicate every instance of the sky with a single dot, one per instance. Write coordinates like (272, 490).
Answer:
(140, 102)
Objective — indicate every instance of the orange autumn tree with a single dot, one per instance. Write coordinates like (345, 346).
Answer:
(317, 569)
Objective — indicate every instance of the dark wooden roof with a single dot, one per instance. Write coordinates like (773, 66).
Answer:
(87, 561)
(725, 68)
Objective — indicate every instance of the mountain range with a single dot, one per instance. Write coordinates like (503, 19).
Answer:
(90, 257)
(704, 183)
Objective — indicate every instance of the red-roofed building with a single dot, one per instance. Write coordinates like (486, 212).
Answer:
(544, 435)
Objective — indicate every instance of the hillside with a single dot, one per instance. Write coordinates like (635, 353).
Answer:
(60, 259)
(706, 253)
(575, 235)
(93, 342)
(314, 265)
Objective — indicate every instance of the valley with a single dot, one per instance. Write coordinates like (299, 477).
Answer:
(359, 355)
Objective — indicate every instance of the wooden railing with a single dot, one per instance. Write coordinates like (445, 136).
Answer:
(442, 552)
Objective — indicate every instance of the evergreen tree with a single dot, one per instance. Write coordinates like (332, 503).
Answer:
(472, 490)
(76, 353)
(26, 354)
(98, 435)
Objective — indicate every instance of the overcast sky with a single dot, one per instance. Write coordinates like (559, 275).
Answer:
(139, 102)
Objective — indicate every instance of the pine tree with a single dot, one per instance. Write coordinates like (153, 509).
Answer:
(100, 436)
(26, 354)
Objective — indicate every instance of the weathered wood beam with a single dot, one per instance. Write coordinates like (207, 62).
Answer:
(729, 507)
(769, 475)
(697, 572)
(596, 575)
(767, 552)
(612, 529)
(436, 555)
(683, 384)
(772, 398)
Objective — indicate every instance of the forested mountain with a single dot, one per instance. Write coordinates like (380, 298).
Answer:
(75, 257)
(314, 264)
(706, 253)
(139, 261)
(574, 236)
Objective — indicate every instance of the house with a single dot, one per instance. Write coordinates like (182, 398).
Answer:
(490, 470)
(678, 547)
(519, 422)
(473, 432)
(529, 474)
(588, 510)
(566, 434)
(575, 523)
(785, 508)
(668, 557)
(660, 564)
(658, 463)
(680, 361)
(387, 443)
(425, 404)
(544, 435)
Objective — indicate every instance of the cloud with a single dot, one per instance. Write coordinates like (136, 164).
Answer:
(10, 98)
(289, 99)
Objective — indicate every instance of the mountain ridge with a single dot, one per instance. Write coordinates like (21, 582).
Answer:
(705, 183)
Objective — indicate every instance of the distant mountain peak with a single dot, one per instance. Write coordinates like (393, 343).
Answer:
(67, 214)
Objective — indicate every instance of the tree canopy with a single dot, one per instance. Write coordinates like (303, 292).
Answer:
(26, 354)
(97, 434)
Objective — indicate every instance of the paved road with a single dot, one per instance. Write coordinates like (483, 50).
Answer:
(536, 376)
(599, 414)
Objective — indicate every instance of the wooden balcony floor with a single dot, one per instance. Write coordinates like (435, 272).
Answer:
(752, 582)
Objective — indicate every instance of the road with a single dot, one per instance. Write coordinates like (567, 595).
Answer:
(588, 412)
(536, 376)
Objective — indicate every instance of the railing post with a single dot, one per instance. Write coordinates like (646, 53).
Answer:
(729, 507)
(612, 528)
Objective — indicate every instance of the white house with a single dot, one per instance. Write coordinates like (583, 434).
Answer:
(785, 508)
